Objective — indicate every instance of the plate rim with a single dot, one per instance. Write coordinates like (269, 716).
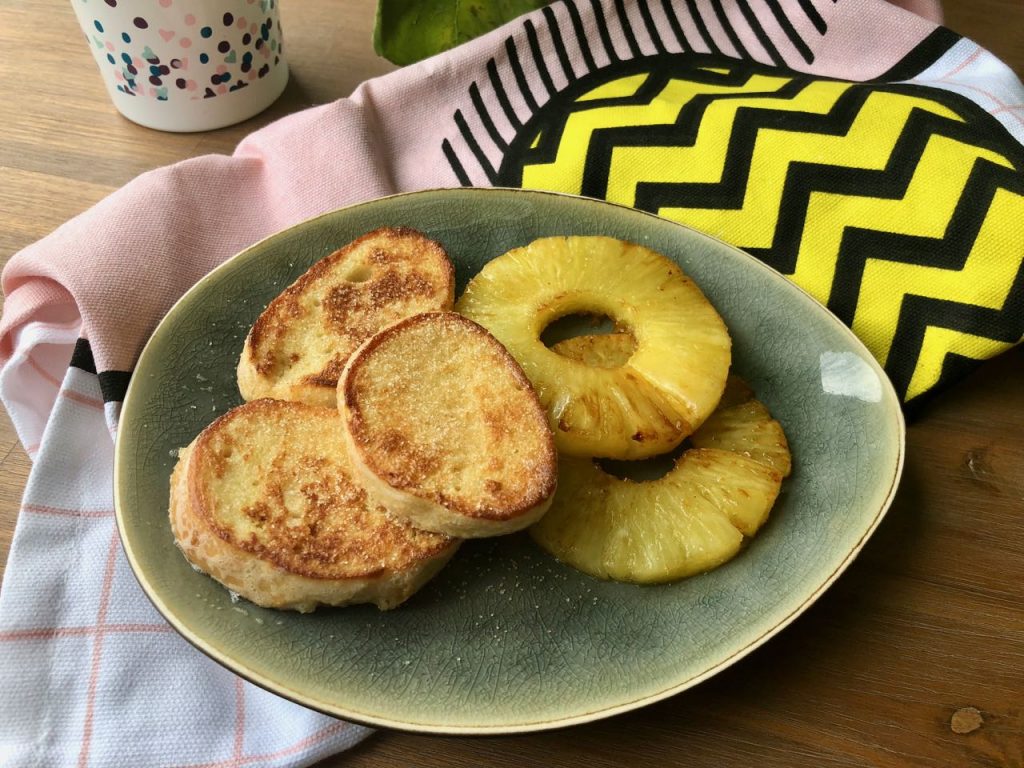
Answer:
(281, 688)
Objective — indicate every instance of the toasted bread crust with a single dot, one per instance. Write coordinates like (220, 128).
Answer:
(297, 348)
(282, 522)
(476, 422)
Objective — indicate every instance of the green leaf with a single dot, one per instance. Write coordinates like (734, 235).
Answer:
(409, 30)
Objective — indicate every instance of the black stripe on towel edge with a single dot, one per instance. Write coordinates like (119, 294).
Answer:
(627, 29)
(924, 54)
(652, 28)
(455, 163)
(675, 25)
(702, 29)
(559, 43)
(762, 37)
(82, 357)
(813, 16)
(113, 384)
(581, 38)
(723, 21)
(538, 58)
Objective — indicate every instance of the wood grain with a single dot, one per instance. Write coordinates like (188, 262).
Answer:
(914, 658)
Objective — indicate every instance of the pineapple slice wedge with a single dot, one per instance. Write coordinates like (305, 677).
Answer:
(689, 521)
(661, 393)
(748, 429)
(692, 519)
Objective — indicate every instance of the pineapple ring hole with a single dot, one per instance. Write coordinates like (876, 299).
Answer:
(578, 324)
(644, 470)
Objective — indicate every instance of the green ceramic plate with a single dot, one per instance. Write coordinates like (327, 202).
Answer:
(507, 639)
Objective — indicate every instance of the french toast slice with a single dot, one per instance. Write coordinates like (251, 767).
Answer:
(298, 346)
(264, 501)
(444, 428)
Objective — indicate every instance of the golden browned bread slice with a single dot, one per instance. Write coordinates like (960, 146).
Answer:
(298, 347)
(264, 501)
(445, 429)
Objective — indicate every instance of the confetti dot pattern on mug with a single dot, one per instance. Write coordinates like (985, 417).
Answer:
(229, 51)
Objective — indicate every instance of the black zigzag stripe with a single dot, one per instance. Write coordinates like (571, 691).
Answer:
(917, 313)
(954, 368)
(730, 191)
(551, 123)
(891, 182)
(860, 245)
(986, 133)
(802, 179)
(683, 133)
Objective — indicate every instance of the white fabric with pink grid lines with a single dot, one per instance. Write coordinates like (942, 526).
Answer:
(78, 644)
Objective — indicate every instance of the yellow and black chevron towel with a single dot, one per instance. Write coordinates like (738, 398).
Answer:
(899, 206)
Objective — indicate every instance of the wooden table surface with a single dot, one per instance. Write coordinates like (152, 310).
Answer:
(914, 658)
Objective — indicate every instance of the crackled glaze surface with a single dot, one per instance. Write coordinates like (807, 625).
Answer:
(505, 638)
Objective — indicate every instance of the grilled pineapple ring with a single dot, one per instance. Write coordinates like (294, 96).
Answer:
(691, 520)
(666, 388)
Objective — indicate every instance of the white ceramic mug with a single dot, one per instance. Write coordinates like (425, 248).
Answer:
(187, 65)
